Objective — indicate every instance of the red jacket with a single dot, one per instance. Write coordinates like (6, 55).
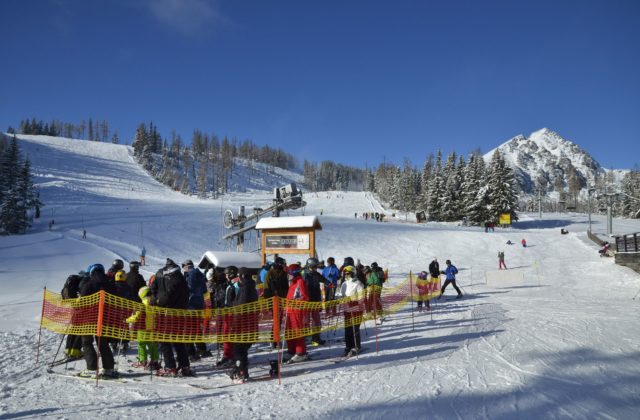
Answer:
(298, 289)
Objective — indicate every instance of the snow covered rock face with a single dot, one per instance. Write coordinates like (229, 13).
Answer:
(545, 158)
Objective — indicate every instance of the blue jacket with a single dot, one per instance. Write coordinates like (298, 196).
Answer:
(197, 287)
(263, 274)
(451, 272)
(332, 274)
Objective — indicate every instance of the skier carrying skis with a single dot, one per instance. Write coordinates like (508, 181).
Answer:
(450, 272)
(353, 290)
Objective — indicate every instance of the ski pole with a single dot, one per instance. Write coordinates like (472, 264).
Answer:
(59, 346)
(353, 328)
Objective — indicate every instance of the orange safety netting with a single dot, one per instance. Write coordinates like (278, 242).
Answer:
(265, 320)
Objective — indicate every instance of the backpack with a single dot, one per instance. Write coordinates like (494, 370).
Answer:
(71, 286)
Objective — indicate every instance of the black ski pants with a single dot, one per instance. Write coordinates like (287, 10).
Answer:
(446, 283)
(90, 355)
(182, 356)
(241, 357)
(352, 332)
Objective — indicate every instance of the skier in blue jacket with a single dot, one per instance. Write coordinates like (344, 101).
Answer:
(332, 273)
(450, 272)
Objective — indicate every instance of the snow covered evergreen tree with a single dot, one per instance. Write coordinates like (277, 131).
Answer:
(17, 192)
(436, 186)
(502, 195)
(475, 198)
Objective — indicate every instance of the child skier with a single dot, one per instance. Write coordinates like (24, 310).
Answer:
(145, 346)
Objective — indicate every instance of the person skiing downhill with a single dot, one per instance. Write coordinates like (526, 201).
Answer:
(501, 263)
(450, 273)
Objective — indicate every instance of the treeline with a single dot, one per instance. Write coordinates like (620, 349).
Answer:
(328, 175)
(18, 195)
(453, 190)
(629, 203)
(97, 130)
(206, 165)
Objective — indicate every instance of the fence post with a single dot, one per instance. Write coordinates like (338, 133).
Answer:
(276, 319)
(413, 325)
(44, 294)
(99, 332)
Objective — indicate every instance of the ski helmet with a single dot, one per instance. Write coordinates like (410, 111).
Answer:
(98, 267)
(118, 264)
(121, 275)
(294, 269)
(349, 261)
(231, 271)
(313, 263)
(348, 270)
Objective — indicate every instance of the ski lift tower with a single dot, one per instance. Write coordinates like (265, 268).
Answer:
(287, 197)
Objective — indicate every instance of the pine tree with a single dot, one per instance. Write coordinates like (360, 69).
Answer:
(436, 186)
(91, 135)
(502, 188)
(115, 139)
(475, 194)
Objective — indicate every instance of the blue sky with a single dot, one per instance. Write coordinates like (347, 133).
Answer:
(354, 81)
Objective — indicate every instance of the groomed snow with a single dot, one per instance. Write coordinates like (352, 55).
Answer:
(558, 338)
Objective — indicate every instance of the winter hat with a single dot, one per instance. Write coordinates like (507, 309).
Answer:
(448, 262)
(170, 262)
(121, 276)
(210, 275)
(187, 263)
(374, 265)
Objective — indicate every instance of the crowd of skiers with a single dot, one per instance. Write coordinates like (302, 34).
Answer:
(190, 288)
(378, 217)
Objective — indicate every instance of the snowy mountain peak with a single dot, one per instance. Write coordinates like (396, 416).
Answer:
(548, 160)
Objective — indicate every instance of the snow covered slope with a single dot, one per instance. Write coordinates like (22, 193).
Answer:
(545, 156)
(553, 337)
